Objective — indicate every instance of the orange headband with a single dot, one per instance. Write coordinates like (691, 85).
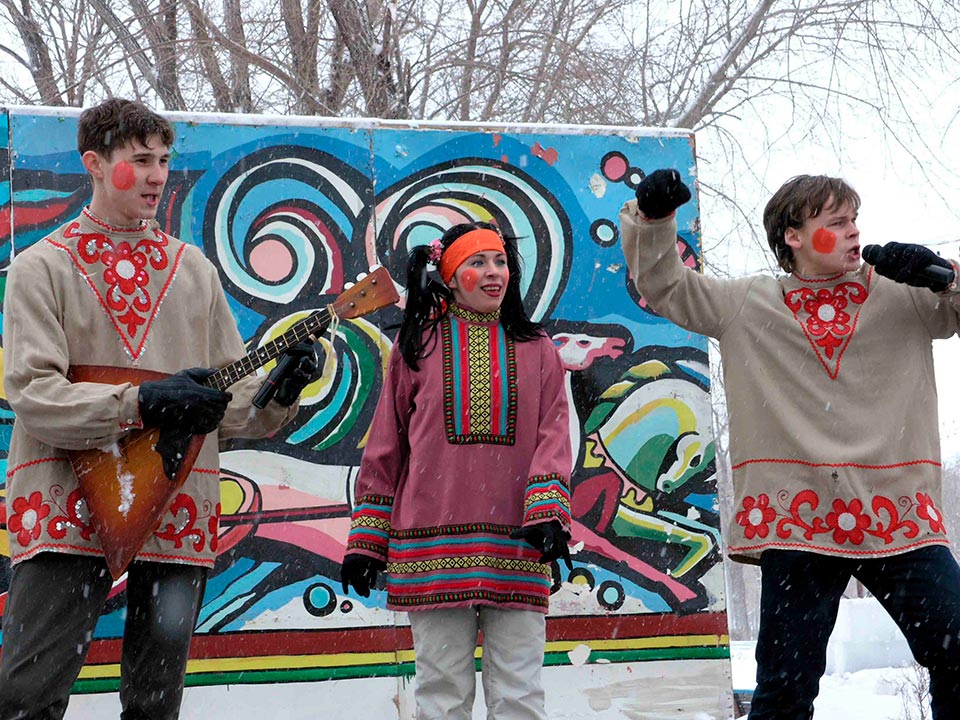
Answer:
(470, 243)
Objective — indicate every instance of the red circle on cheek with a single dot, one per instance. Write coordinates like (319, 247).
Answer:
(468, 279)
(123, 177)
(824, 241)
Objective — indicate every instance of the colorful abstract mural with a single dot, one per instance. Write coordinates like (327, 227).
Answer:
(293, 210)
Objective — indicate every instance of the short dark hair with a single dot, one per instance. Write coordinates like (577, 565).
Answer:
(798, 199)
(115, 122)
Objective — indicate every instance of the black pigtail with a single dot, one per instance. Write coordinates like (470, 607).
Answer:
(427, 301)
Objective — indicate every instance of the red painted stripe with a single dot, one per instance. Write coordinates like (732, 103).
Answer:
(287, 515)
(390, 639)
(25, 215)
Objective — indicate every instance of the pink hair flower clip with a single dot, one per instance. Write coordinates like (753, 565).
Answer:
(434, 251)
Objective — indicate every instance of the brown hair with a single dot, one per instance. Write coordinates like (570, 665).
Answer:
(798, 199)
(115, 122)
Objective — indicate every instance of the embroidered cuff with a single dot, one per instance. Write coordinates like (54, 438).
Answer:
(370, 527)
(547, 498)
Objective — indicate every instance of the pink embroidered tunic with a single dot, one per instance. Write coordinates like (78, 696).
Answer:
(462, 451)
(90, 294)
(831, 398)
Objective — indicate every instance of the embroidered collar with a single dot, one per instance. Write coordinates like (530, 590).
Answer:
(104, 226)
(473, 316)
(828, 279)
(129, 272)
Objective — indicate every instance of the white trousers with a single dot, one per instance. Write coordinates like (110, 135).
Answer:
(513, 646)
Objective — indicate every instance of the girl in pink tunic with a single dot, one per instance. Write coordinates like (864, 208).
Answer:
(463, 490)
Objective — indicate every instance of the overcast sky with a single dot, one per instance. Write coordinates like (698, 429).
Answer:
(901, 201)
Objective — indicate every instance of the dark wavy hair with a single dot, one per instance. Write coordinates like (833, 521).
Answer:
(115, 122)
(428, 299)
(800, 198)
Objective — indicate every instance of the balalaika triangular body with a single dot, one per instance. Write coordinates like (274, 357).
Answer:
(124, 485)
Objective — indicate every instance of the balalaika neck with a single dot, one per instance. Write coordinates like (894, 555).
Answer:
(312, 326)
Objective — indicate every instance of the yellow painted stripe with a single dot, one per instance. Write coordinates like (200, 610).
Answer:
(296, 662)
(641, 643)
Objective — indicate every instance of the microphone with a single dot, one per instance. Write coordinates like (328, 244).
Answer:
(932, 272)
(269, 388)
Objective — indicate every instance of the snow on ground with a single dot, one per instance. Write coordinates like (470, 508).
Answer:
(875, 694)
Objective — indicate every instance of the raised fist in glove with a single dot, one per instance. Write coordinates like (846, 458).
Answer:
(181, 401)
(906, 263)
(361, 571)
(660, 193)
(299, 371)
(549, 538)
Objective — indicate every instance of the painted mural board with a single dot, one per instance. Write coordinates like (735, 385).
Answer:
(291, 210)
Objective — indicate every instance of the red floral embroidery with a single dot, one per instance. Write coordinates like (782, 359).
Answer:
(28, 514)
(756, 516)
(848, 522)
(117, 273)
(823, 314)
(183, 527)
(75, 515)
(125, 268)
(897, 522)
(928, 511)
(124, 273)
(805, 497)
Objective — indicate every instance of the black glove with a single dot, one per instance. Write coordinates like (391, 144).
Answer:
(660, 193)
(180, 402)
(181, 407)
(171, 447)
(549, 538)
(905, 263)
(302, 371)
(361, 571)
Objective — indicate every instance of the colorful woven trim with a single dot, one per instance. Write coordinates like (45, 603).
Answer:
(547, 498)
(370, 526)
(464, 564)
(479, 383)
(474, 316)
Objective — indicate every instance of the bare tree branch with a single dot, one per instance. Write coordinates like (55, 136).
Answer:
(39, 63)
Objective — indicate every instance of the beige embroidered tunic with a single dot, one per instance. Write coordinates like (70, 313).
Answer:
(832, 402)
(91, 294)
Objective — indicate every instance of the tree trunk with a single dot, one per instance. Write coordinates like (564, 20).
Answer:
(38, 54)
(239, 71)
(222, 96)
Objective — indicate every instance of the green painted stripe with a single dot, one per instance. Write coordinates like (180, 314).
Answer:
(645, 655)
(254, 677)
